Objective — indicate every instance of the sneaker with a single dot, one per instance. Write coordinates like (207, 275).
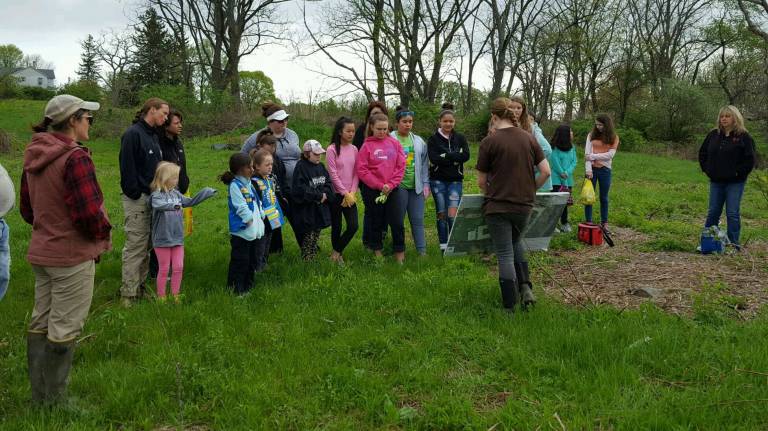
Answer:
(443, 247)
(566, 228)
(177, 298)
(162, 299)
(557, 230)
(604, 225)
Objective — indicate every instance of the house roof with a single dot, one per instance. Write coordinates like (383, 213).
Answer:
(48, 73)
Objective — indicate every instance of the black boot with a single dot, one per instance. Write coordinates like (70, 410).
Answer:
(58, 362)
(35, 361)
(509, 294)
(524, 285)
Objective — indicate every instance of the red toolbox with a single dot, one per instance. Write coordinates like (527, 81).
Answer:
(590, 233)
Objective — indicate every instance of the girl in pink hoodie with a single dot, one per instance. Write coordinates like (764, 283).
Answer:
(381, 166)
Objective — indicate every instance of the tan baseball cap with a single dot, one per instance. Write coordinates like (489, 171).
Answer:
(63, 106)
(313, 146)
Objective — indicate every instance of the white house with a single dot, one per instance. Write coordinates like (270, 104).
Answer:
(31, 77)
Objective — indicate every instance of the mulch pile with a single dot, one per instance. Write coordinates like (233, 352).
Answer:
(625, 277)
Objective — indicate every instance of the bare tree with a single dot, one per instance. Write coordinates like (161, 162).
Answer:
(222, 33)
(114, 51)
(349, 34)
(667, 29)
(511, 25)
(756, 14)
(475, 42)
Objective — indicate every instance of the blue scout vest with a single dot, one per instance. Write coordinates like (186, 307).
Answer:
(237, 224)
(269, 203)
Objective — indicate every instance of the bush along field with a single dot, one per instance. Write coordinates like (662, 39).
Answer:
(374, 345)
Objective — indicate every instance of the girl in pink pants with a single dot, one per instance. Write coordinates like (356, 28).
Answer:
(168, 225)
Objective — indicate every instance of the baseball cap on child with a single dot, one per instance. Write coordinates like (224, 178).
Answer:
(314, 146)
(63, 106)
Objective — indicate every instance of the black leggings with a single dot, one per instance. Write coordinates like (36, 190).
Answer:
(339, 239)
(383, 215)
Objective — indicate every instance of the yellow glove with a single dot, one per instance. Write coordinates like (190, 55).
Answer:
(350, 199)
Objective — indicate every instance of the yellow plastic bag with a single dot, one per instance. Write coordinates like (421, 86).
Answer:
(588, 193)
(187, 218)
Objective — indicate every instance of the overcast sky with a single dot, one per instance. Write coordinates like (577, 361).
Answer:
(55, 28)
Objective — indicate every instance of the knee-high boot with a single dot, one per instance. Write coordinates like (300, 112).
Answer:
(524, 285)
(35, 361)
(58, 362)
(509, 293)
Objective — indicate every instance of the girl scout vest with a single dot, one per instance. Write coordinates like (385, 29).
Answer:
(237, 224)
(269, 203)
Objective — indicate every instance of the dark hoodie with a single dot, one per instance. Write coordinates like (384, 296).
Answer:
(62, 200)
(310, 181)
(173, 151)
(447, 156)
(139, 155)
(727, 159)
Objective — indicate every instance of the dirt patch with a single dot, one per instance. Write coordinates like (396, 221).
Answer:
(625, 277)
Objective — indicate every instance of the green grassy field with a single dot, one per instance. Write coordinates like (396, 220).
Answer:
(379, 346)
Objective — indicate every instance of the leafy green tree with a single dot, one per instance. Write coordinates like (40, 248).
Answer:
(255, 88)
(10, 56)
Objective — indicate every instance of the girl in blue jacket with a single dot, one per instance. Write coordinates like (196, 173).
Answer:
(245, 223)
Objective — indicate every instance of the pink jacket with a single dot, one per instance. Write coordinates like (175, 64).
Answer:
(380, 162)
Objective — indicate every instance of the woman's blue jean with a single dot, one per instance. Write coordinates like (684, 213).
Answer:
(413, 204)
(728, 194)
(447, 195)
(601, 177)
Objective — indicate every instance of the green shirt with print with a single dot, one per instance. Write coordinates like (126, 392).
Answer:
(409, 179)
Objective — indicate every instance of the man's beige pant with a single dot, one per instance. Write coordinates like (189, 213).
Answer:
(138, 220)
(62, 300)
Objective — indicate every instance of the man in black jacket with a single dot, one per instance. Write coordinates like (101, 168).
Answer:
(139, 155)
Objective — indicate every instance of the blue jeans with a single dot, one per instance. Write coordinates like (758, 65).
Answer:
(730, 195)
(602, 177)
(5, 258)
(447, 195)
(413, 204)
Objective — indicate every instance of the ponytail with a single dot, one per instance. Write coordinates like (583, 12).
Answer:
(42, 127)
(236, 162)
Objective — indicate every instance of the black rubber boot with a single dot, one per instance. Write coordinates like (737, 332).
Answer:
(509, 294)
(524, 285)
(35, 361)
(58, 362)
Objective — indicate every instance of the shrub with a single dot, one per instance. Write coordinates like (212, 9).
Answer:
(475, 126)
(581, 129)
(680, 110)
(178, 96)
(37, 93)
(86, 90)
(631, 139)
(9, 88)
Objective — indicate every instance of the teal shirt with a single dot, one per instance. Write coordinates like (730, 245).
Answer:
(547, 149)
(562, 162)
